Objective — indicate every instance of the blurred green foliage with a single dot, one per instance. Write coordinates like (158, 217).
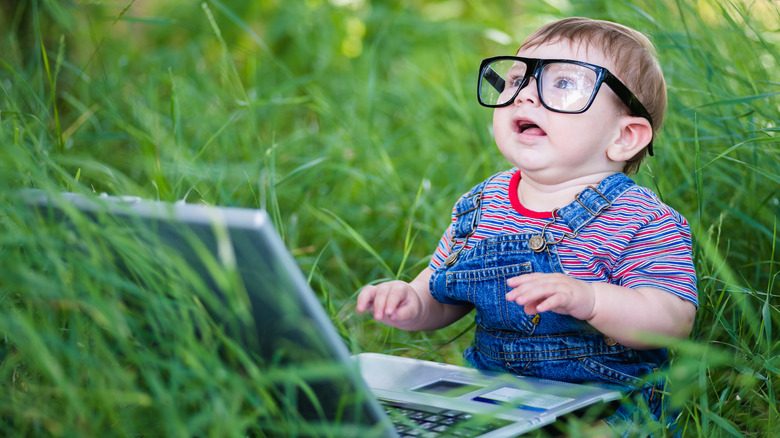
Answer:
(354, 123)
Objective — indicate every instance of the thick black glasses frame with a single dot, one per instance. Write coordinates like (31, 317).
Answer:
(534, 70)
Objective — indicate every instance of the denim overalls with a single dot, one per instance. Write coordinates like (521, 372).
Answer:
(547, 345)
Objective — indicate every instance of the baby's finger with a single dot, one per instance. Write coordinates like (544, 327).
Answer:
(531, 300)
(514, 295)
(396, 303)
(549, 303)
(380, 305)
(365, 299)
(393, 301)
(523, 279)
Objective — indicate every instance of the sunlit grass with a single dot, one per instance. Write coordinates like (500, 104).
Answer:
(356, 127)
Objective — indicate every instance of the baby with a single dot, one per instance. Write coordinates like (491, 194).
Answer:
(576, 272)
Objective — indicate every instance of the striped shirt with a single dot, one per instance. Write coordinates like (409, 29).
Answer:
(637, 242)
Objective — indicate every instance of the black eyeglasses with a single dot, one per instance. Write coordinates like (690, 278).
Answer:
(563, 85)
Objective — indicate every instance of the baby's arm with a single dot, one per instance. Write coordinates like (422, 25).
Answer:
(408, 306)
(624, 314)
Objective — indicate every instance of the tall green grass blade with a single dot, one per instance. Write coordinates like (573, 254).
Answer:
(242, 24)
(340, 225)
(124, 11)
(53, 88)
(408, 239)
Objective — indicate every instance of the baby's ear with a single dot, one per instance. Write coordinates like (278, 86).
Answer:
(635, 134)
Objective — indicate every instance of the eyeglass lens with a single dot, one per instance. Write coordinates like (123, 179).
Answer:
(563, 86)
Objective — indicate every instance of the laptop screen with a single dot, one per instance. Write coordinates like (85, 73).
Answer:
(227, 271)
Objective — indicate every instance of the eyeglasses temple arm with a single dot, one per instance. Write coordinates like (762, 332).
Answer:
(494, 78)
(633, 103)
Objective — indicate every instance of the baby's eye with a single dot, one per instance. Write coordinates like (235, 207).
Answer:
(514, 80)
(564, 83)
(569, 77)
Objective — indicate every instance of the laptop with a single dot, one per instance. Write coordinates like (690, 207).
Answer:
(270, 310)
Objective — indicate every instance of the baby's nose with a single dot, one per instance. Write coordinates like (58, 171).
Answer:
(528, 93)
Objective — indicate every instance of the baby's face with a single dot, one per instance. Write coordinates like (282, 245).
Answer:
(554, 147)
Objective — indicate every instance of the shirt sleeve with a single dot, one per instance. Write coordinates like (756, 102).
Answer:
(442, 250)
(660, 256)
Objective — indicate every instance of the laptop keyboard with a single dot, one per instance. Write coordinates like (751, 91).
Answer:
(412, 420)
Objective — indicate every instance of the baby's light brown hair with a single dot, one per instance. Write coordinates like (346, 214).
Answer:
(633, 56)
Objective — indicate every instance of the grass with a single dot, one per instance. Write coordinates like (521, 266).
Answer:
(354, 124)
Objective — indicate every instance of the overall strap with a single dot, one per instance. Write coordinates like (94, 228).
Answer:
(467, 213)
(589, 203)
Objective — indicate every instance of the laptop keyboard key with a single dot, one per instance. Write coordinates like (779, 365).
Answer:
(429, 422)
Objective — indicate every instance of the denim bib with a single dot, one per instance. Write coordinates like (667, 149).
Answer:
(547, 345)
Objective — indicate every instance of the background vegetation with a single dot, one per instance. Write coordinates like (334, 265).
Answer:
(354, 123)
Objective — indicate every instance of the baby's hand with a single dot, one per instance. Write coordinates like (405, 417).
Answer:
(394, 303)
(554, 292)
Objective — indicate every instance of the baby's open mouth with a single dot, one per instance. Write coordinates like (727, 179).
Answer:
(528, 127)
